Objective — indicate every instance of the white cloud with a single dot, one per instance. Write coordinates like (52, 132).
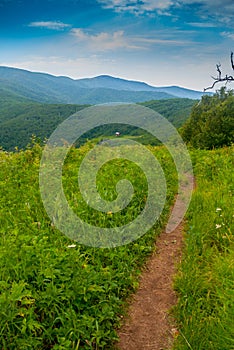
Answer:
(164, 41)
(136, 6)
(152, 5)
(104, 41)
(119, 40)
(212, 4)
(222, 10)
(202, 24)
(228, 35)
(54, 25)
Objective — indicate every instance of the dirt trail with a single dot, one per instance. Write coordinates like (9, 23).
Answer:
(149, 325)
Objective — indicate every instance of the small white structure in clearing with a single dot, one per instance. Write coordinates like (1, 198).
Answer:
(117, 133)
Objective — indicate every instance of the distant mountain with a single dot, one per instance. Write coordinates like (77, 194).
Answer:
(106, 81)
(46, 88)
(182, 92)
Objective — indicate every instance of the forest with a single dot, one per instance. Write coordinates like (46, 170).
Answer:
(20, 120)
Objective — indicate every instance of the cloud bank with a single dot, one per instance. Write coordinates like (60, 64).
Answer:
(222, 9)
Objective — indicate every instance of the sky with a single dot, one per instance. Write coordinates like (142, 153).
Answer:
(160, 42)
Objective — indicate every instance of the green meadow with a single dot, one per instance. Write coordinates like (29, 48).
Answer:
(54, 292)
(58, 294)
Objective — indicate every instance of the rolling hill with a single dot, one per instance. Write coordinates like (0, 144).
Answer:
(19, 120)
(46, 88)
(106, 81)
(35, 103)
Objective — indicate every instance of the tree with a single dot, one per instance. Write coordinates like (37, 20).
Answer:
(211, 123)
(220, 78)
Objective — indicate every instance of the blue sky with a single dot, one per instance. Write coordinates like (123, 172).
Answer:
(161, 42)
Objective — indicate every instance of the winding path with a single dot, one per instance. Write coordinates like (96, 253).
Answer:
(149, 325)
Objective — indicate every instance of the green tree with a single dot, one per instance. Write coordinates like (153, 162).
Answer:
(211, 123)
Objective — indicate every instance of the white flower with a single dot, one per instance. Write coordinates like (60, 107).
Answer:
(218, 209)
(218, 226)
(71, 246)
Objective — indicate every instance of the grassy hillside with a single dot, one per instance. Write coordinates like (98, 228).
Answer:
(206, 280)
(53, 296)
(20, 119)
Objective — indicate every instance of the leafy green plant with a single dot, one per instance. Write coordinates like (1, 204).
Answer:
(56, 293)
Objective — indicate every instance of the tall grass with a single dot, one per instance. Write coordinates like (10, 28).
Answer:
(205, 283)
(53, 296)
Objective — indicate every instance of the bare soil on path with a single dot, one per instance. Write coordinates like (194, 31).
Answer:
(149, 325)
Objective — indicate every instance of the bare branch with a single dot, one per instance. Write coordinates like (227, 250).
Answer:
(232, 63)
(218, 70)
(219, 78)
(226, 79)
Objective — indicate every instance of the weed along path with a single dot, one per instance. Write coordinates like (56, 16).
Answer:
(148, 325)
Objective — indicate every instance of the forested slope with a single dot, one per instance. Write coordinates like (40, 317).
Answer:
(21, 118)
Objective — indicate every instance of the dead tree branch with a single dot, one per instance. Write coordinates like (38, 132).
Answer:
(219, 78)
(232, 60)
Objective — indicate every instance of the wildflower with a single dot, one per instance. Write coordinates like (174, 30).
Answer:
(109, 213)
(71, 246)
(218, 209)
(218, 226)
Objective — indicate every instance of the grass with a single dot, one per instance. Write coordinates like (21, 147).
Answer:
(54, 295)
(205, 283)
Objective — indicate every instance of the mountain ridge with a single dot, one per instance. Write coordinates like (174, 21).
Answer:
(48, 88)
